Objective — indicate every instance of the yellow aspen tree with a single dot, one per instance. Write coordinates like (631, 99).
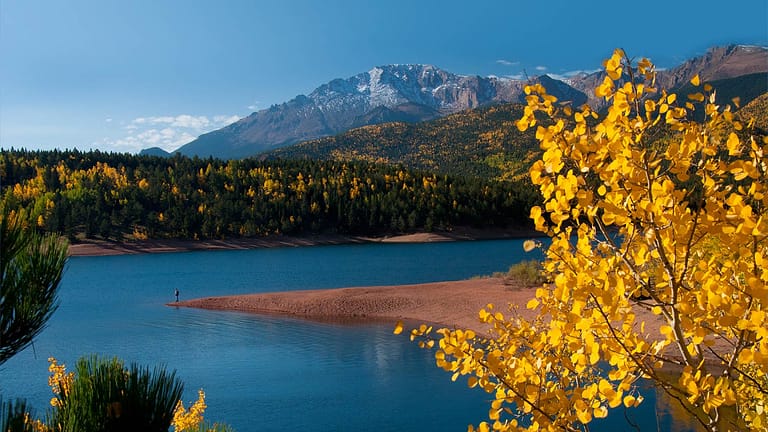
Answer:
(657, 263)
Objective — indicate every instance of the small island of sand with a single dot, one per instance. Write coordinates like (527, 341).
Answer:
(451, 304)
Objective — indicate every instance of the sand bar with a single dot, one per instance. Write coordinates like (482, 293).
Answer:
(451, 304)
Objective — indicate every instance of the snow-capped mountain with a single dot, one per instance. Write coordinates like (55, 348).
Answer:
(410, 93)
(417, 92)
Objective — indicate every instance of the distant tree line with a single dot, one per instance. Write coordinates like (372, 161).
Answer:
(118, 196)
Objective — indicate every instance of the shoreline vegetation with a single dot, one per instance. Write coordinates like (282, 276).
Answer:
(103, 248)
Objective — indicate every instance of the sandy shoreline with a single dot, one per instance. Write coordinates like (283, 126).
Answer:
(101, 248)
(449, 304)
(446, 304)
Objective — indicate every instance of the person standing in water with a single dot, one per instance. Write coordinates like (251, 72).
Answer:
(177, 295)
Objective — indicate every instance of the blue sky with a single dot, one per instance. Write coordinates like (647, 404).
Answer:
(129, 74)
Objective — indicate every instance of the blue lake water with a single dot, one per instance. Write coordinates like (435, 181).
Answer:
(268, 373)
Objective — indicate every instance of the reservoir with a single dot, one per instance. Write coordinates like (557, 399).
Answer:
(270, 373)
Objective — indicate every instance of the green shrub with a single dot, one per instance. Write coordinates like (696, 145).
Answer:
(13, 415)
(527, 273)
(106, 396)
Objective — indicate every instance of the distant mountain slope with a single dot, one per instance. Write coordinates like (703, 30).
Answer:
(717, 64)
(757, 110)
(746, 88)
(154, 151)
(482, 142)
(406, 93)
(413, 93)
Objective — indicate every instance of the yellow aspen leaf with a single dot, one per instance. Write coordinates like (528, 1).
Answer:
(584, 416)
(483, 315)
(398, 327)
(666, 331)
(613, 65)
(532, 304)
(600, 412)
(472, 382)
(529, 245)
(695, 81)
(605, 388)
(605, 88)
(555, 335)
(630, 401)
(671, 98)
(733, 144)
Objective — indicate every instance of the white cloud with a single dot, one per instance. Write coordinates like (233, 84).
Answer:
(221, 119)
(183, 120)
(167, 132)
(541, 68)
(507, 62)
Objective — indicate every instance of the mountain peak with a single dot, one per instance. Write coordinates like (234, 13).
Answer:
(415, 92)
(402, 92)
(406, 68)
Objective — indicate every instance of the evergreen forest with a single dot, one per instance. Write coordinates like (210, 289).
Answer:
(97, 195)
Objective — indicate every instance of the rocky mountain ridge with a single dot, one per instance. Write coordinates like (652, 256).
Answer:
(717, 63)
(415, 92)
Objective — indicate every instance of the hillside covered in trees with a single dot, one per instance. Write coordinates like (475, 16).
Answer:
(121, 196)
(481, 142)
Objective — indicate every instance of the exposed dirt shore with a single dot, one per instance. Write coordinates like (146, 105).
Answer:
(98, 248)
(451, 304)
